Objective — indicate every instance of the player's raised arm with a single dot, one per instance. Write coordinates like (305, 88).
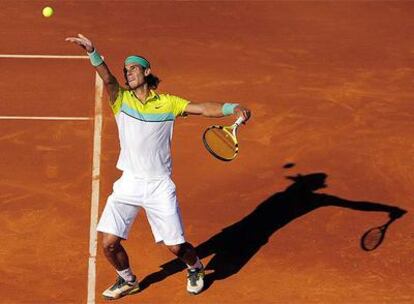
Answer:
(110, 82)
(211, 109)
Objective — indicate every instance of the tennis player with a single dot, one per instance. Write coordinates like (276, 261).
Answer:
(145, 121)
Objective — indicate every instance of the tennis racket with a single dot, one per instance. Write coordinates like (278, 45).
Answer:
(374, 236)
(221, 141)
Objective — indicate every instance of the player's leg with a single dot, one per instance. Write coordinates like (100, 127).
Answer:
(195, 272)
(115, 253)
(115, 223)
(185, 252)
(164, 216)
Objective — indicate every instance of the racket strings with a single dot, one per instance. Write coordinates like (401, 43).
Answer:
(221, 143)
(224, 137)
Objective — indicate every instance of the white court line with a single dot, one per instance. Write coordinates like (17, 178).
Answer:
(42, 56)
(96, 169)
(43, 118)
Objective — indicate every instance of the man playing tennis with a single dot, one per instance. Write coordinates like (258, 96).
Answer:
(145, 121)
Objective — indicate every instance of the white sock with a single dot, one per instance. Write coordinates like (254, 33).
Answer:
(126, 274)
(197, 265)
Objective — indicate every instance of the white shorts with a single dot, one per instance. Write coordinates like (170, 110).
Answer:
(157, 196)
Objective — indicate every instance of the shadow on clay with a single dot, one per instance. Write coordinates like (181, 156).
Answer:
(236, 244)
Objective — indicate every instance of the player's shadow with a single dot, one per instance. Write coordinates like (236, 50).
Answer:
(236, 244)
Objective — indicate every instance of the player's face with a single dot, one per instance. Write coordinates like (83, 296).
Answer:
(135, 75)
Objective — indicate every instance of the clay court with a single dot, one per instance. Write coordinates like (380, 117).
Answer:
(327, 155)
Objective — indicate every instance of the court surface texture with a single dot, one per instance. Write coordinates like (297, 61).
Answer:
(328, 153)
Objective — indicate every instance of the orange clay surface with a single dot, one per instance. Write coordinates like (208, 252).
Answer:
(330, 85)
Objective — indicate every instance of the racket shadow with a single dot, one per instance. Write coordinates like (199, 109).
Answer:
(235, 245)
(374, 237)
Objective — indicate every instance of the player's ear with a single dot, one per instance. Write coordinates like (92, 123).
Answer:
(147, 71)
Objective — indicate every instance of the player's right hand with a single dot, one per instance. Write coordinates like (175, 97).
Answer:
(397, 213)
(243, 112)
(82, 41)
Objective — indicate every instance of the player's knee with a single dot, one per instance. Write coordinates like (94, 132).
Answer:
(110, 244)
(175, 249)
(180, 249)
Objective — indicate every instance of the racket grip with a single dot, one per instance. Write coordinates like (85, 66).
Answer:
(239, 121)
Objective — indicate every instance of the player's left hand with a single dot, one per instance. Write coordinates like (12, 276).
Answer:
(243, 112)
(83, 42)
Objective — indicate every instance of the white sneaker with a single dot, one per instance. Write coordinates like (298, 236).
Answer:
(121, 288)
(195, 280)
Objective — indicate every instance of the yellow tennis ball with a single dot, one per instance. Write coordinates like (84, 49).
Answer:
(47, 11)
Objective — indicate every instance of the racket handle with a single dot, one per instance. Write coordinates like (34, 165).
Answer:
(239, 121)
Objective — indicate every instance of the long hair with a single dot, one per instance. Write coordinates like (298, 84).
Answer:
(152, 80)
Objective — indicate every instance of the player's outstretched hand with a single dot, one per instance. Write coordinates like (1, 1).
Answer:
(82, 41)
(241, 111)
(397, 213)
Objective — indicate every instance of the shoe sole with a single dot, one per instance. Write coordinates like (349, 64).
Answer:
(125, 293)
(193, 293)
